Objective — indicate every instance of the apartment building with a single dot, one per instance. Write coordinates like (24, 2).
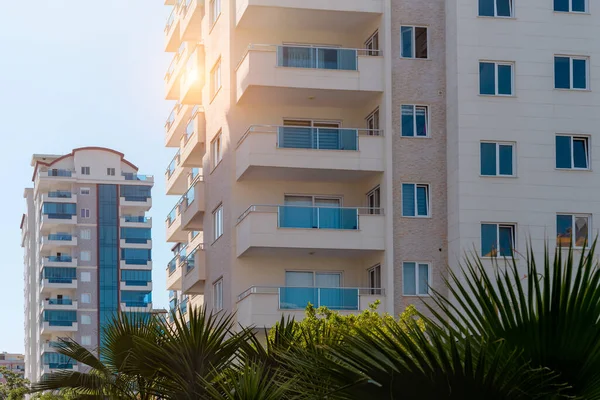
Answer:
(343, 152)
(13, 362)
(88, 251)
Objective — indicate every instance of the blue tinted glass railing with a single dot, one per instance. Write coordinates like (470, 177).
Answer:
(195, 110)
(136, 198)
(135, 177)
(135, 218)
(59, 216)
(173, 304)
(183, 305)
(317, 138)
(190, 195)
(194, 173)
(60, 323)
(60, 280)
(172, 266)
(136, 240)
(171, 118)
(136, 261)
(136, 304)
(170, 20)
(60, 366)
(136, 283)
(173, 164)
(61, 194)
(60, 172)
(62, 258)
(317, 57)
(318, 217)
(189, 129)
(332, 298)
(53, 344)
(64, 302)
(60, 237)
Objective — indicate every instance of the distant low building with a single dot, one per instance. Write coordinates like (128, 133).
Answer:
(14, 362)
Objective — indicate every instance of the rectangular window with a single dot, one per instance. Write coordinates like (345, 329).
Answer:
(110, 171)
(86, 276)
(85, 234)
(497, 240)
(85, 170)
(571, 72)
(85, 255)
(216, 150)
(415, 121)
(372, 44)
(572, 229)
(413, 40)
(374, 201)
(218, 295)
(86, 298)
(575, 6)
(497, 159)
(496, 78)
(495, 8)
(415, 279)
(84, 191)
(84, 213)
(373, 122)
(215, 78)
(215, 11)
(86, 340)
(415, 200)
(218, 222)
(572, 152)
(86, 320)
(375, 279)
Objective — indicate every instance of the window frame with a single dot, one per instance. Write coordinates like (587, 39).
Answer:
(85, 191)
(375, 193)
(417, 264)
(512, 65)
(512, 10)
(414, 117)
(372, 44)
(218, 224)
(85, 213)
(372, 274)
(88, 255)
(574, 217)
(217, 67)
(427, 187)
(86, 170)
(373, 120)
(216, 149)
(214, 17)
(87, 235)
(514, 159)
(89, 297)
(588, 147)
(512, 225)
(585, 11)
(218, 294)
(111, 171)
(571, 71)
(414, 42)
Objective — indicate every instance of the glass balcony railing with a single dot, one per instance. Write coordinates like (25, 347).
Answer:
(61, 258)
(135, 218)
(183, 305)
(318, 217)
(170, 20)
(53, 344)
(189, 130)
(60, 323)
(60, 194)
(297, 298)
(55, 279)
(62, 237)
(60, 366)
(141, 304)
(64, 302)
(136, 283)
(136, 261)
(317, 58)
(60, 172)
(59, 216)
(129, 176)
(295, 137)
(173, 164)
(194, 173)
(172, 266)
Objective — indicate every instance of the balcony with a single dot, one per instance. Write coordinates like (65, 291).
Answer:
(328, 231)
(59, 196)
(191, 15)
(173, 73)
(136, 264)
(176, 176)
(192, 78)
(263, 306)
(319, 154)
(134, 177)
(46, 178)
(174, 273)
(193, 141)
(176, 123)
(137, 202)
(49, 221)
(49, 327)
(172, 35)
(49, 346)
(51, 368)
(57, 240)
(136, 285)
(175, 232)
(135, 221)
(312, 15)
(133, 243)
(59, 304)
(136, 307)
(193, 206)
(309, 76)
(49, 285)
(59, 261)
(194, 270)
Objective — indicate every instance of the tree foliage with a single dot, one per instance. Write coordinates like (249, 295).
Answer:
(15, 387)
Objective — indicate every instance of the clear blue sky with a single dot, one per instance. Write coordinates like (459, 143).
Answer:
(78, 73)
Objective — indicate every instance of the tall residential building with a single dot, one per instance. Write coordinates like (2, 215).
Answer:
(346, 151)
(13, 362)
(88, 251)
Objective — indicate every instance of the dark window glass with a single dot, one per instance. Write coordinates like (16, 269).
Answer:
(578, 5)
(488, 159)
(561, 5)
(506, 159)
(562, 73)
(108, 214)
(504, 8)
(486, 8)
(489, 240)
(505, 79)
(563, 151)
(406, 37)
(420, 42)
(579, 74)
(487, 78)
(506, 240)
(580, 153)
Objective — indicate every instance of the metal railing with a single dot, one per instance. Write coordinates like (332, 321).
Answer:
(172, 265)
(135, 218)
(60, 194)
(302, 137)
(339, 218)
(297, 298)
(190, 260)
(59, 172)
(64, 302)
(62, 258)
(63, 237)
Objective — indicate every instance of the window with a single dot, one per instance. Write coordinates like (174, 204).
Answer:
(415, 121)
(375, 279)
(415, 279)
(374, 201)
(215, 78)
(86, 298)
(372, 44)
(84, 191)
(216, 150)
(496, 78)
(577, 6)
(414, 42)
(497, 240)
(572, 152)
(85, 170)
(497, 159)
(84, 213)
(570, 72)
(495, 8)
(572, 229)
(85, 234)
(373, 122)
(218, 295)
(86, 340)
(85, 255)
(415, 200)
(110, 171)
(86, 276)
(86, 320)
(215, 10)
(218, 222)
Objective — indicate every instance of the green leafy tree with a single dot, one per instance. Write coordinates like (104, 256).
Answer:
(15, 387)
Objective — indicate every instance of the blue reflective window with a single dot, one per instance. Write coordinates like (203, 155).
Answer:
(497, 240)
(505, 152)
(495, 79)
(59, 210)
(136, 235)
(505, 80)
(496, 159)
(136, 192)
(495, 8)
(406, 34)
(415, 200)
(136, 298)
(136, 277)
(415, 278)
(570, 5)
(413, 42)
(487, 78)
(136, 256)
(570, 72)
(415, 120)
(572, 152)
(488, 159)
(579, 74)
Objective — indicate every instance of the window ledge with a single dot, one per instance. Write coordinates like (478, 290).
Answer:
(215, 167)
(499, 176)
(415, 58)
(497, 17)
(498, 96)
(416, 295)
(417, 216)
(216, 240)
(500, 258)
(572, 90)
(573, 169)
(572, 12)
(415, 137)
